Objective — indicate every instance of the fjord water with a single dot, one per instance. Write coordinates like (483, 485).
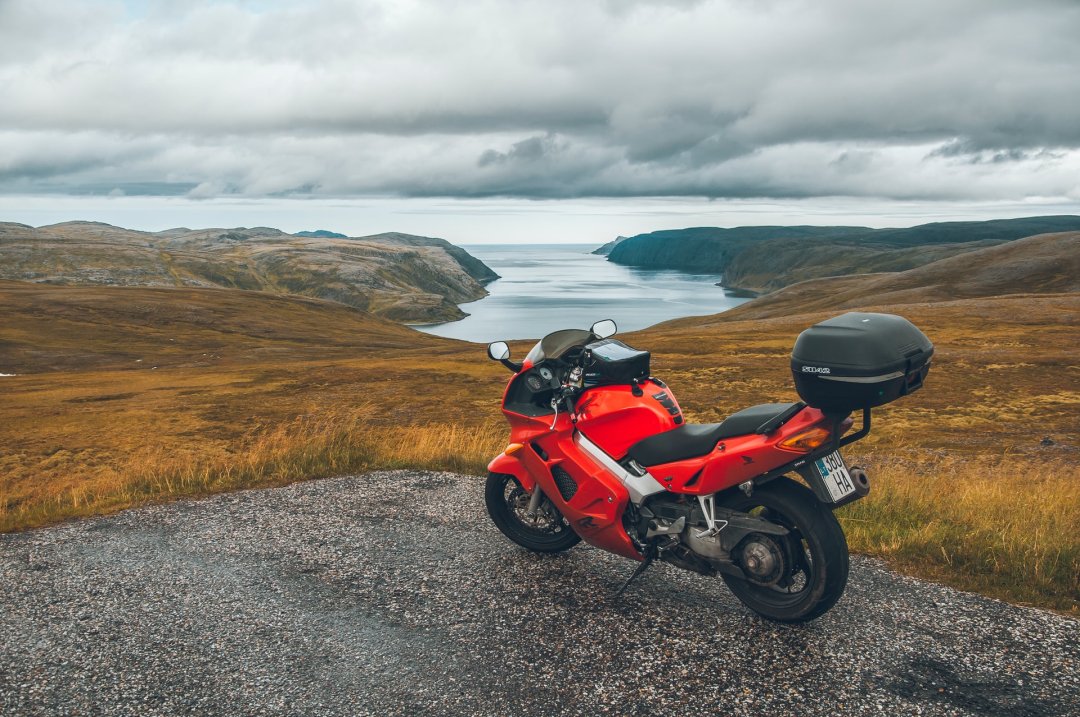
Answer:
(546, 287)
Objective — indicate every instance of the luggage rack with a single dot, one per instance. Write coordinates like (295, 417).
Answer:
(839, 441)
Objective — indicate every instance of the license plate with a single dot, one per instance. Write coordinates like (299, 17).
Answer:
(834, 474)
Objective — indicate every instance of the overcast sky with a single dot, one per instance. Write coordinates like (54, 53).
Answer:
(389, 115)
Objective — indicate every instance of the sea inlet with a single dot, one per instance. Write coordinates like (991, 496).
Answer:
(547, 287)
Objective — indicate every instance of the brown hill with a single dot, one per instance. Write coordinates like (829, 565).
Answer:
(62, 328)
(767, 258)
(1042, 264)
(398, 276)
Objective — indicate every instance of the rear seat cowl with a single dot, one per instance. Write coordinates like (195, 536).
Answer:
(692, 440)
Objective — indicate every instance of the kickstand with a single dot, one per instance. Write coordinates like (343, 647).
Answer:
(650, 555)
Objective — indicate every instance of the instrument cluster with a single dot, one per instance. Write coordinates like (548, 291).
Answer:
(541, 379)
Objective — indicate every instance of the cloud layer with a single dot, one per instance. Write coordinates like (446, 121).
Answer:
(967, 100)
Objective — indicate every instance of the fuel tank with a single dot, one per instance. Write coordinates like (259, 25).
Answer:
(616, 417)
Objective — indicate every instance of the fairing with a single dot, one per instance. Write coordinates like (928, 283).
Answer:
(614, 418)
(595, 510)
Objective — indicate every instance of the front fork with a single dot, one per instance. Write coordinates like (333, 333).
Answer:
(534, 501)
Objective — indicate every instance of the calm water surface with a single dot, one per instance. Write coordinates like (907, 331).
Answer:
(546, 287)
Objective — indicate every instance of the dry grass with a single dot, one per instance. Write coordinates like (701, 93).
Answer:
(256, 391)
(1004, 526)
(320, 444)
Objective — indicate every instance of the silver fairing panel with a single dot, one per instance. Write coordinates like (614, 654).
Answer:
(639, 487)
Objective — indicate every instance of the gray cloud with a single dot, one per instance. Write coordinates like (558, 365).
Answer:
(972, 99)
(533, 149)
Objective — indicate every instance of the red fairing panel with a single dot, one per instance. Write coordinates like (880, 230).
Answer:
(614, 418)
(737, 459)
(511, 465)
(595, 510)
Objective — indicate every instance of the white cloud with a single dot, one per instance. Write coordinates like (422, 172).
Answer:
(789, 98)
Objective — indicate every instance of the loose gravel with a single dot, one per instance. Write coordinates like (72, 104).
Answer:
(391, 593)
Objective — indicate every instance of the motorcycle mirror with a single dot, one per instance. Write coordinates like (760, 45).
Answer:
(498, 351)
(603, 329)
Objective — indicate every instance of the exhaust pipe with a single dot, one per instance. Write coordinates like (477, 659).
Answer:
(861, 481)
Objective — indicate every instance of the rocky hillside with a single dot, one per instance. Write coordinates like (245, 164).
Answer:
(1042, 264)
(764, 259)
(397, 276)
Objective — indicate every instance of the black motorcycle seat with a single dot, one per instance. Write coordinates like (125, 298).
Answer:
(691, 440)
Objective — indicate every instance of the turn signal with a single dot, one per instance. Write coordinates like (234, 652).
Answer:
(513, 448)
(806, 441)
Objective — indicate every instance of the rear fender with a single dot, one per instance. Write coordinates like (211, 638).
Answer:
(511, 465)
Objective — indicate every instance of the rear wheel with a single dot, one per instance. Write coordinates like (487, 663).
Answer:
(796, 577)
(545, 532)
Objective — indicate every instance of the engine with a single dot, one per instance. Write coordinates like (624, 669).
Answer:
(700, 535)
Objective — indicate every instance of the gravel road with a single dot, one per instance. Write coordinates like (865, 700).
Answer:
(392, 593)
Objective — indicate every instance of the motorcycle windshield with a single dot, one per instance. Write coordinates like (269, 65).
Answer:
(556, 344)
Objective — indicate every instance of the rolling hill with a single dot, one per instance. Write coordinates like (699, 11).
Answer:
(77, 328)
(1042, 264)
(763, 259)
(398, 276)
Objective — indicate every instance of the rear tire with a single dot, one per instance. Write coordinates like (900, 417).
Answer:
(816, 543)
(547, 532)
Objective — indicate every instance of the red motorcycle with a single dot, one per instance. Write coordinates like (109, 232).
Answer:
(600, 452)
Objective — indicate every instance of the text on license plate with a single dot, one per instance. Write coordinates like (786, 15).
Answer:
(835, 476)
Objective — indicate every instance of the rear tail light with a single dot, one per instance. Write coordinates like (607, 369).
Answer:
(805, 441)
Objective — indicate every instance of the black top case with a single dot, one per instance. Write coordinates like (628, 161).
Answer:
(859, 360)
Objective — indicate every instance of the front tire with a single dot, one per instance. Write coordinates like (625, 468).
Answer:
(507, 502)
(815, 550)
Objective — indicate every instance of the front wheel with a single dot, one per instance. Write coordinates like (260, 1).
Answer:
(797, 577)
(547, 531)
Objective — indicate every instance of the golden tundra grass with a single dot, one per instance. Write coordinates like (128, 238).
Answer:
(129, 396)
(330, 443)
(1004, 526)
